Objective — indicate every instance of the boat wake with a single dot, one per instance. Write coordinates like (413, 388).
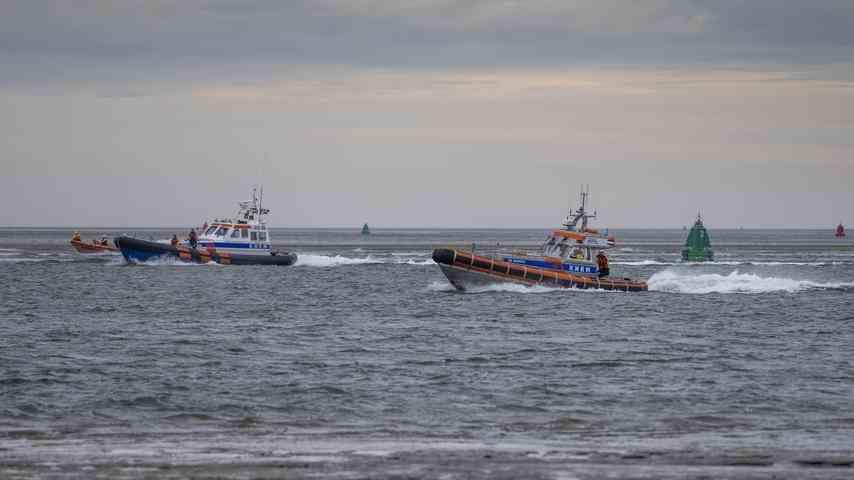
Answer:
(735, 282)
(505, 288)
(164, 261)
(309, 260)
(727, 263)
(314, 260)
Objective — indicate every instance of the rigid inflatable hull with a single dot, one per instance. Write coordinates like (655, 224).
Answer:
(466, 270)
(135, 250)
(84, 247)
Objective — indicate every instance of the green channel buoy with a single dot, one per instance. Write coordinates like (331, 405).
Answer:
(698, 247)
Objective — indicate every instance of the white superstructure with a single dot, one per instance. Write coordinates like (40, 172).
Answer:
(245, 234)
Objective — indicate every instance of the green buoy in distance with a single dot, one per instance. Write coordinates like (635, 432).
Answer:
(697, 247)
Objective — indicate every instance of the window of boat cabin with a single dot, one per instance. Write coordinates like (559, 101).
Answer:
(549, 246)
(254, 236)
(262, 236)
(244, 232)
(235, 233)
(210, 231)
(223, 231)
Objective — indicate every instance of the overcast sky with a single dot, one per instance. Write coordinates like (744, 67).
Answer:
(410, 113)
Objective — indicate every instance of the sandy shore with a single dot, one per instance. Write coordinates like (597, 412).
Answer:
(220, 455)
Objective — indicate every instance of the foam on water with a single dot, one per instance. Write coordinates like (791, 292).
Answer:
(643, 262)
(440, 287)
(310, 260)
(164, 261)
(729, 263)
(734, 282)
(496, 287)
(412, 261)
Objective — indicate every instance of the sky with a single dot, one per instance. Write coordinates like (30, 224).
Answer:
(427, 113)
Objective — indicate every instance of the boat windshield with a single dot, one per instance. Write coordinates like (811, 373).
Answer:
(210, 231)
(555, 247)
(565, 248)
(223, 231)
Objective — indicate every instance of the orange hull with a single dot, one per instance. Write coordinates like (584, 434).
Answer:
(84, 247)
(511, 272)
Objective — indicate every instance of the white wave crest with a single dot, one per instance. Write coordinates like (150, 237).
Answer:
(166, 261)
(734, 263)
(643, 262)
(413, 261)
(440, 287)
(496, 287)
(735, 282)
(309, 260)
(513, 288)
(410, 254)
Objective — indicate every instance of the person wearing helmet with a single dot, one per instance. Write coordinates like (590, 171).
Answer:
(602, 263)
(76, 237)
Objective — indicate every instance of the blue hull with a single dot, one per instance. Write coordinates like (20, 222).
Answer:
(140, 251)
(141, 256)
(566, 267)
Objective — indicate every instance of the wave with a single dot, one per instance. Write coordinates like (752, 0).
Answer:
(496, 287)
(643, 262)
(412, 261)
(727, 263)
(314, 260)
(410, 254)
(163, 261)
(735, 282)
(309, 260)
(762, 264)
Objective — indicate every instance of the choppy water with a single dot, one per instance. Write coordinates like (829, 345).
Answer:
(739, 367)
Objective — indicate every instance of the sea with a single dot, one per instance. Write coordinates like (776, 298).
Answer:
(361, 361)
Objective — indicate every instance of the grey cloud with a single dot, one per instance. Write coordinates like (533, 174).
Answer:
(166, 34)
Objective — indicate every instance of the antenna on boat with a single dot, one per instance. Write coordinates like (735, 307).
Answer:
(260, 200)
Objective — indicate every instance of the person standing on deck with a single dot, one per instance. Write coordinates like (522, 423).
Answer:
(602, 263)
(193, 238)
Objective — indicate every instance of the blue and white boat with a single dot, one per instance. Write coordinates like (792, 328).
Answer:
(244, 234)
(241, 240)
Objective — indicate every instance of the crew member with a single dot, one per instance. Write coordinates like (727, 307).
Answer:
(193, 238)
(75, 237)
(174, 240)
(104, 241)
(602, 263)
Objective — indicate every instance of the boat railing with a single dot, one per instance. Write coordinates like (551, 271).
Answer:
(498, 251)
